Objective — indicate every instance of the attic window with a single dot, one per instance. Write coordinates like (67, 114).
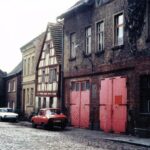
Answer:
(101, 2)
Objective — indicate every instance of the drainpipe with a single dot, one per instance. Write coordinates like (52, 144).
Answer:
(62, 69)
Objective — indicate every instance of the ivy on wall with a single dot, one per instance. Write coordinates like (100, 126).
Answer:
(135, 16)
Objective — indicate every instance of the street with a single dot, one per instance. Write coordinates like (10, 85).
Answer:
(14, 136)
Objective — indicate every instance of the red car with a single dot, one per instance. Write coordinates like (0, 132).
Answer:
(48, 118)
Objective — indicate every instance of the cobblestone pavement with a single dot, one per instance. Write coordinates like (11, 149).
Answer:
(15, 137)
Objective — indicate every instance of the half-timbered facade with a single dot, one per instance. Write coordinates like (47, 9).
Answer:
(48, 68)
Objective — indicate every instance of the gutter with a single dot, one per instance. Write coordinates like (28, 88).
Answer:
(62, 68)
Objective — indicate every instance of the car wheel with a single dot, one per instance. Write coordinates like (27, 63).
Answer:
(34, 125)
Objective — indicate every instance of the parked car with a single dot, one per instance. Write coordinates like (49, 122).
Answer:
(48, 118)
(8, 114)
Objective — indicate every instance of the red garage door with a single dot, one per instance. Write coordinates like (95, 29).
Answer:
(113, 108)
(79, 104)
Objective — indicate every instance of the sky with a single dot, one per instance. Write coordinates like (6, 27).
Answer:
(23, 20)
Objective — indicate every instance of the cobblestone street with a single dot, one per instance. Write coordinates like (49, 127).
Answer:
(16, 137)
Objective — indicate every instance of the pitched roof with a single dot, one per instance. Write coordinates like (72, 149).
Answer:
(56, 31)
(31, 42)
(16, 70)
(77, 5)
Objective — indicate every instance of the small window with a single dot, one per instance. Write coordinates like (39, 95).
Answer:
(39, 102)
(73, 86)
(83, 86)
(148, 14)
(88, 41)
(77, 86)
(87, 85)
(72, 45)
(24, 67)
(100, 36)
(8, 86)
(43, 76)
(13, 85)
(119, 29)
(52, 75)
(31, 96)
(28, 96)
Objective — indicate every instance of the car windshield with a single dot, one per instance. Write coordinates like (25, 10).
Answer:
(6, 110)
(53, 112)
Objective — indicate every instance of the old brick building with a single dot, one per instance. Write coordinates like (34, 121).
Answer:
(107, 64)
(13, 89)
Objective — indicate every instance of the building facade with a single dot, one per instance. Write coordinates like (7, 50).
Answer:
(107, 65)
(30, 54)
(48, 69)
(2, 88)
(13, 89)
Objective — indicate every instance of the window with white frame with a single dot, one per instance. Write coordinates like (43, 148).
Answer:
(100, 36)
(88, 41)
(24, 67)
(14, 85)
(72, 45)
(28, 66)
(9, 86)
(119, 29)
(52, 75)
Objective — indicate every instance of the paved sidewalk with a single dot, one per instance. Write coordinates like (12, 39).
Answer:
(106, 136)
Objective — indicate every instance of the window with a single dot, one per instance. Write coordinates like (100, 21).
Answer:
(13, 85)
(100, 36)
(31, 97)
(88, 41)
(52, 75)
(145, 94)
(32, 64)
(73, 86)
(148, 14)
(8, 86)
(28, 66)
(43, 76)
(119, 29)
(24, 67)
(39, 102)
(28, 96)
(72, 45)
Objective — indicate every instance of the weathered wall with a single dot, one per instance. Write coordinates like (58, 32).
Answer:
(115, 61)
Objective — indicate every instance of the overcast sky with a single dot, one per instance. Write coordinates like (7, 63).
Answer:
(23, 20)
